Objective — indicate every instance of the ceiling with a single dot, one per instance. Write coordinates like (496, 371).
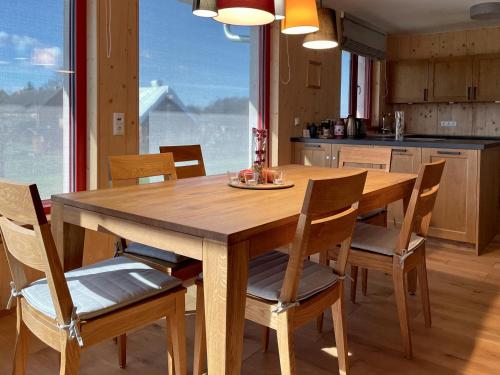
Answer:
(411, 16)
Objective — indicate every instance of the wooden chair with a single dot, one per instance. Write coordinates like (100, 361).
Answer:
(300, 290)
(128, 169)
(186, 154)
(70, 312)
(399, 252)
(370, 158)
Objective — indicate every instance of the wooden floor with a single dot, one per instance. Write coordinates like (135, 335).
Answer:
(465, 338)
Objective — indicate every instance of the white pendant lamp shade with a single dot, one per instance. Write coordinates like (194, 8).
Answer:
(279, 9)
(245, 12)
(301, 17)
(326, 36)
(205, 8)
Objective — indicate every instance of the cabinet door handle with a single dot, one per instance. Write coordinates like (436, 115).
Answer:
(399, 150)
(312, 146)
(475, 93)
(449, 153)
(426, 95)
(469, 95)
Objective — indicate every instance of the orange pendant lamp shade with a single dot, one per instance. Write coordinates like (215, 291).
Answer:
(245, 12)
(301, 17)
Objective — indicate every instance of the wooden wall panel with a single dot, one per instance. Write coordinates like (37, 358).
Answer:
(472, 118)
(298, 100)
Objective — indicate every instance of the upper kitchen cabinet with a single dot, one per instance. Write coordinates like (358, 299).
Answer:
(408, 81)
(486, 78)
(451, 80)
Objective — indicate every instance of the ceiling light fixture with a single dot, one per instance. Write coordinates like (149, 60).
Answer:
(205, 8)
(485, 11)
(279, 10)
(301, 17)
(245, 12)
(326, 36)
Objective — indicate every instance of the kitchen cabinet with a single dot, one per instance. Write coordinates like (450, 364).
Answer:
(408, 81)
(451, 80)
(313, 154)
(455, 212)
(486, 78)
(404, 160)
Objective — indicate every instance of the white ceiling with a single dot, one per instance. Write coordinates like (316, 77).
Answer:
(409, 16)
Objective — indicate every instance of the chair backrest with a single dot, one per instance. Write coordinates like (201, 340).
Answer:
(327, 218)
(125, 169)
(368, 157)
(28, 241)
(419, 211)
(187, 154)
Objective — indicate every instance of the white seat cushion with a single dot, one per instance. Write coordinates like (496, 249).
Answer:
(152, 252)
(103, 287)
(380, 240)
(371, 214)
(267, 273)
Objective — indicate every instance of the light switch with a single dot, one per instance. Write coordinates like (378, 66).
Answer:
(118, 123)
(296, 121)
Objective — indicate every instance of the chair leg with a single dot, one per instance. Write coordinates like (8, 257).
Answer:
(364, 280)
(286, 346)
(70, 356)
(122, 350)
(319, 322)
(401, 301)
(176, 346)
(200, 339)
(424, 291)
(265, 339)
(412, 282)
(340, 333)
(354, 283)
(22, 341)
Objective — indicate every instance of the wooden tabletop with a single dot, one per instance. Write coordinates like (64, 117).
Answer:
(207, 207)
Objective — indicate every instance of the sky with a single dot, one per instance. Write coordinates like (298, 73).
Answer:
(188, 53)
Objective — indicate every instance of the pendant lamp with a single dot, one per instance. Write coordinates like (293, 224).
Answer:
(205, 8)
(326, 36)
(301, 17)
(245, 12)
(279, 10)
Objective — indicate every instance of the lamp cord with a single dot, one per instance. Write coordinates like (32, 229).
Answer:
(108, 28)
(288, 64)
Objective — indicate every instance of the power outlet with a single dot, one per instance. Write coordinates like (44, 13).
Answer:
(118, 123)
(296, 121)
(448, 124)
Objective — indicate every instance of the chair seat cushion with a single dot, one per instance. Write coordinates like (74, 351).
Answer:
(267, 273)
(136, 248)
(103, 287)
(369, 215)
(377, 239)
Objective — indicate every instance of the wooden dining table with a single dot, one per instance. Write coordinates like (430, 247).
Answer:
(204, 218)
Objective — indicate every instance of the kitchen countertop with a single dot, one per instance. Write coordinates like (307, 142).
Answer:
(424, 141)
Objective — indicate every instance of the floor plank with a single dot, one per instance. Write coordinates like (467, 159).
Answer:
(464, 339)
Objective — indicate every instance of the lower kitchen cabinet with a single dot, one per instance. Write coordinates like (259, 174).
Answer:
(455, 213)
(467, 206)
(313, 154)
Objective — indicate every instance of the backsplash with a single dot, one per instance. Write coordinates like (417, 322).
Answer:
(472, 119)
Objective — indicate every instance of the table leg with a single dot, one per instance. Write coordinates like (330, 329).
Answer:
(69, 238)
(225, 277)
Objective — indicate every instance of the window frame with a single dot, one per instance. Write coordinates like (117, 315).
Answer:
(78, 98)
(354, 84)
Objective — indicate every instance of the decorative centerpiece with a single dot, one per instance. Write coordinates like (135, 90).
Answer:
(258, 177)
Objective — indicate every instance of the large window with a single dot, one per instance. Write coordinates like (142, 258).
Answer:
(35, 94)
(199, 84)
(355, 86)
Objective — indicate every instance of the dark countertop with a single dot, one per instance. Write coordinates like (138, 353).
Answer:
(424, 141)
